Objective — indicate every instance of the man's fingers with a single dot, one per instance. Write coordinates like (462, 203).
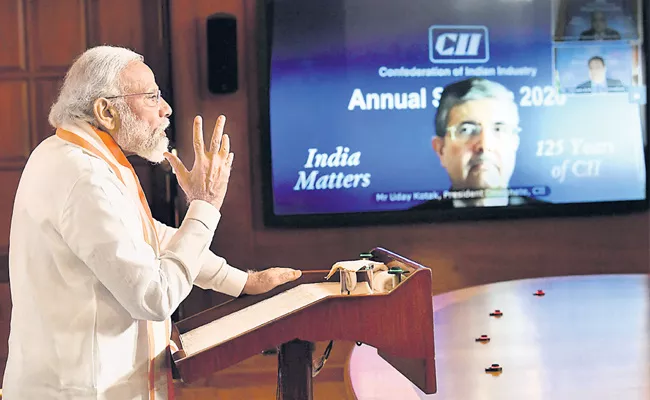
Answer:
(199, 147)
(225, 171)
(225, 146)
(288, 275)
(177, 165)
(217, 133)
(221, 168)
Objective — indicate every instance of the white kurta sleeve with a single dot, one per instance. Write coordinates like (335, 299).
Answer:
(102, 227)
(215, 274)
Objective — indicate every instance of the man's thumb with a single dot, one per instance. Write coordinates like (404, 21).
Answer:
(177, 165)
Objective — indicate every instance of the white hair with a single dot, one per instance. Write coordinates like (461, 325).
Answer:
(94, 74)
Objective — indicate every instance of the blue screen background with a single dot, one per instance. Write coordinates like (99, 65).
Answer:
(325, 49)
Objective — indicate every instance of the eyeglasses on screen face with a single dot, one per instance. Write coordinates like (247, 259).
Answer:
(466, 131)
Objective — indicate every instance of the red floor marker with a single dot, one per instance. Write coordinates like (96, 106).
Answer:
(496, 313)
(540, 292)
(483, 338)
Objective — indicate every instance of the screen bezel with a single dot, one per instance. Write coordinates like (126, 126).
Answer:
(263, 51)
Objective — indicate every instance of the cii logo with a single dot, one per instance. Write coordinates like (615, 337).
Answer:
(458, 44)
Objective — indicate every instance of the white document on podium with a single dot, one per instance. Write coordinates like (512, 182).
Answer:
(258, 314)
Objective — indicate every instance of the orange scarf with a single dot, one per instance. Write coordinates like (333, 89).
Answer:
(146, 217)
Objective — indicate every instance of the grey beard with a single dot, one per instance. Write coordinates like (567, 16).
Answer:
(137, 137)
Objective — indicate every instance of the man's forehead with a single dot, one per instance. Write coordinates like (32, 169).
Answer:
(138, 76)
(596, 63)
(488, 109)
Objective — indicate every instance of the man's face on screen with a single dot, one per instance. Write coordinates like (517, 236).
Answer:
(479, 150)
(597, 71)
(598, 22)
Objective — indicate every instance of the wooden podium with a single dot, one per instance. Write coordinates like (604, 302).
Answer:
(398, 322)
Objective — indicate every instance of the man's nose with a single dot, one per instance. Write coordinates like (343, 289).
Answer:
(486, 140)
(165, 108)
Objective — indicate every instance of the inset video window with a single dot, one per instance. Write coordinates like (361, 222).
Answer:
(596, 20)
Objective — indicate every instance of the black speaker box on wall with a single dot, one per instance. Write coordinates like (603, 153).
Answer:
(222, 53)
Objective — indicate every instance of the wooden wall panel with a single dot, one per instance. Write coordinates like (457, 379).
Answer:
(234, 238)
(46, 92)
(12, 44)
(106, 15)
(4, 266)
(5, 319)
(9, 179)
(14, 140)
(58, 33)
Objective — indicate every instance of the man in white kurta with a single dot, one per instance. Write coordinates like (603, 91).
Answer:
(91, 296)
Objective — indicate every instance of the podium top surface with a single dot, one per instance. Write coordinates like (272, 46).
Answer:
(587, 337)
(247, 319)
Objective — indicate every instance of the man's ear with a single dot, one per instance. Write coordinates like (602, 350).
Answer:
(438, 145)
(106, 115)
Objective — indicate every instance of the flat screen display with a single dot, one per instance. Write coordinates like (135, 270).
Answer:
(446, 109)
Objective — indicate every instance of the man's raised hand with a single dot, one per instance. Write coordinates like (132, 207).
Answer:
(208, 178)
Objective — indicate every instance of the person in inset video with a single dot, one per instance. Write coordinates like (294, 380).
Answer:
(476, 139)
(598, 81)
(599, 29)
